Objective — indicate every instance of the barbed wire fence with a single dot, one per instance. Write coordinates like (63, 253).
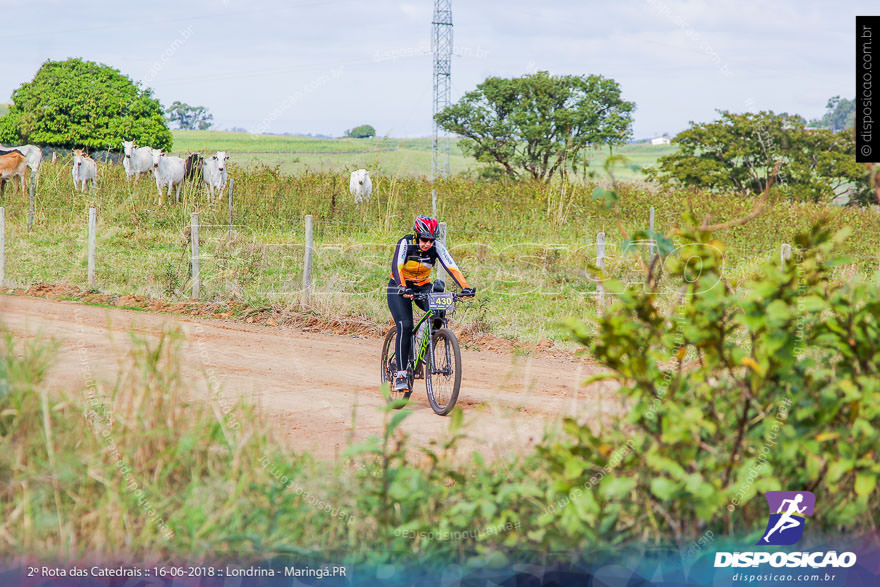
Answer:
(220, 256)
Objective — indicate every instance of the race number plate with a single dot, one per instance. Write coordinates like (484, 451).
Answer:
(439, 301)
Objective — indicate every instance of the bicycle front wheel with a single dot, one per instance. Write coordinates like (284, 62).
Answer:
(388, 367)
(443, 378)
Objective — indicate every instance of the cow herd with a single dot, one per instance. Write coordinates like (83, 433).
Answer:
(170, 172)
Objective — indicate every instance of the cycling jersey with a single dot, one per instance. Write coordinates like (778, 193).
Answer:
(411, 266)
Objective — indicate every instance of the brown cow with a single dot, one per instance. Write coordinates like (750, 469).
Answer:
(192, 167)
(13, 164)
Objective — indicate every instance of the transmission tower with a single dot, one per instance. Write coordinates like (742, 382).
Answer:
(441, 46)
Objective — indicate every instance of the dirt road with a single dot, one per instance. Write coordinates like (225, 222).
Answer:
(311, 385)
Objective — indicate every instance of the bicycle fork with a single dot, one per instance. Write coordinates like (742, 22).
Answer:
(433, 359)
(431, 362)
(445, 371)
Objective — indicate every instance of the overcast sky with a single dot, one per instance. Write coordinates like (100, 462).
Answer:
(324, 66)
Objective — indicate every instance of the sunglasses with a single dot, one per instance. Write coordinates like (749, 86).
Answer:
(426, 240)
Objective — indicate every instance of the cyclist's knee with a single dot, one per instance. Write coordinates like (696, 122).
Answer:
(439, 285)
(406, 326)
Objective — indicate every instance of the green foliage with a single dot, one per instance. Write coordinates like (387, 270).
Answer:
(733, 392)
(739, 152)
(77, 103)
(189, 117)
(840, 114)
(538, 124)
(364, 131)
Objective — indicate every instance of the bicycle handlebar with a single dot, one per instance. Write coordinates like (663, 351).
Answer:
(455, 296)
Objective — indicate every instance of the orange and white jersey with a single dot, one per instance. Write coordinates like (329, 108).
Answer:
(412, 266)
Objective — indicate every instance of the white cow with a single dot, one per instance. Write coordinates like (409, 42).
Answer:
(169, 172)
(136, 160)
(84, 170)
(214, 172)
(360, 185)
(32, 154)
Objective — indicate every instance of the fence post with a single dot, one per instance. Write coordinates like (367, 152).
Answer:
(307, 265)
(600, 263)
(92, 246)
(31, 206)
(784, 254)
(194, 236)
(2, 246)
(441, 236)
(651, 246)
(231, 185)
(434, 203)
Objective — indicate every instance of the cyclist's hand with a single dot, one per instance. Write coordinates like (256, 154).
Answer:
(469, 292)
(405, 292)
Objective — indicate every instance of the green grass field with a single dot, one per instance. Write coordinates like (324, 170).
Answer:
(297, 154)
(390, 156)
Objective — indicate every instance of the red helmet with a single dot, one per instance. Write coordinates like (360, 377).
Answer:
(426, 227)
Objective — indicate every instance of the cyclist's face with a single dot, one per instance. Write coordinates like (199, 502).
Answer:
(425, 244)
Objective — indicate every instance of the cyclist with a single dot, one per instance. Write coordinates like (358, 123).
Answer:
(411, 266)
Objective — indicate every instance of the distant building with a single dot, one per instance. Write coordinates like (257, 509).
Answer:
(664, 140)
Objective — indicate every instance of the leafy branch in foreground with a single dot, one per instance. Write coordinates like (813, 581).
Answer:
(730, 392)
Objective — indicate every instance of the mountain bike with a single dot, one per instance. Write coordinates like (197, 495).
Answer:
(437, 362)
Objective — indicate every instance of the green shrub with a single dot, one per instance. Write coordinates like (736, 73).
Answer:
(733, 392)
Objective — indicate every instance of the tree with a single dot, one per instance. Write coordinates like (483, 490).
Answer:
(739, 152)
(537, 124)
(189, 117)
(77, 103)
(364, 131)
(840, 114)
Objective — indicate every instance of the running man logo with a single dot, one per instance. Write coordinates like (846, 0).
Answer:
(788, 512)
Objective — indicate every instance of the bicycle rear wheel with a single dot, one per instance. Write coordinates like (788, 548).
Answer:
(388, 367)
(443, 378)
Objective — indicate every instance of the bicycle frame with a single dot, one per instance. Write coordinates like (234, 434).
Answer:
(424, 343)
(418, 352)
